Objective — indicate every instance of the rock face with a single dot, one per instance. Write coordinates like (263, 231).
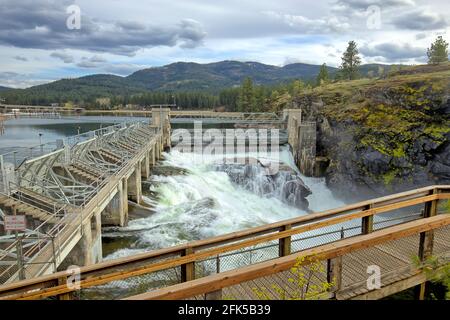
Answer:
(261, 178)
(166, 171)
(385, 137)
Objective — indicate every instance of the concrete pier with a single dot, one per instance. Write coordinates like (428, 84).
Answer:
(116, 211)
(135, 184)
(302, 138)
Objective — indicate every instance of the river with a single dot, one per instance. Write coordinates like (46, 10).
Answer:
(202, 203)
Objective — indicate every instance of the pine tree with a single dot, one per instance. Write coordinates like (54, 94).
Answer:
(297, 88)
(350, 62)
(438, 52)
(247, 101)
(260, 99)
(322, 77)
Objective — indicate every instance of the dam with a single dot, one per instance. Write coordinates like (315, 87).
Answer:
(199, 200)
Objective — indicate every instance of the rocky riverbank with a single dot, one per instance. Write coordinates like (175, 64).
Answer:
(386, 135)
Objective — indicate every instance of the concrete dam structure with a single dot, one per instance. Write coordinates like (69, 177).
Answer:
(68, 190)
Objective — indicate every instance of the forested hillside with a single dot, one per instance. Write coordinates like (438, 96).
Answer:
(211, 84)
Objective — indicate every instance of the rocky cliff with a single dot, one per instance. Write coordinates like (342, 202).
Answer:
(385, 135)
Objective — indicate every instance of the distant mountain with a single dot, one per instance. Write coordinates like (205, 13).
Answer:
(180, 76)
(215, 76)
(4, 88)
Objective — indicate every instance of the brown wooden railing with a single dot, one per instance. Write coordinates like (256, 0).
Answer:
(285, 233)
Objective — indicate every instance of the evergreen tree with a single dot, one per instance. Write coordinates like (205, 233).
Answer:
(438, 52)
(296, 88)
(322, 77)
(260, 99)
(350, 62)
(247, 101)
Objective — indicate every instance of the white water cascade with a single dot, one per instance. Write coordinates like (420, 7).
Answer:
(205, 202)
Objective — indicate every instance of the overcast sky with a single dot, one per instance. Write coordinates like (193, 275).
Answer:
(122, 36)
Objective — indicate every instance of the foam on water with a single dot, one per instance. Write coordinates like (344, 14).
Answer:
(206, 203)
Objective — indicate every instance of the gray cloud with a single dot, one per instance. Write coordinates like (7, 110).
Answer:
(307, 25)
(87, 64)
(92, 62)
(421, 36)
(364, 4)
(67, 58)
(41, 24)
(123, 69)
(393, 51)
(102, 65)
(8, 75)
(97, 59)
(17, 80)
(20, 58)
(420, 20)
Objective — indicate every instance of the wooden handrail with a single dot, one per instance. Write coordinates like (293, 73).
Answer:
(306, 223)
(328, 251)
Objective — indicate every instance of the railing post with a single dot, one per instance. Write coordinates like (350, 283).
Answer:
(334, 271)
(188, 269)
(426, 241)
(64, 296)
(427, 237)
(215, 295)
(367, 222)
(284, 244)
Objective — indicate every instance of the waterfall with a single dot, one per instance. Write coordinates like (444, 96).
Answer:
(210, 199)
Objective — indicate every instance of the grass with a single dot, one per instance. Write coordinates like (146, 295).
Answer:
(390, 114)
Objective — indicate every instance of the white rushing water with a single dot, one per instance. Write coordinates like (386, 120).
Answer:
(206, 203)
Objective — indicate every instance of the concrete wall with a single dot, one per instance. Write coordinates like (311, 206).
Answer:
(116, 211)
(294, 119)
(89, 249)
(306, 154)
(302, 138)
(161, 119)
(135, 184)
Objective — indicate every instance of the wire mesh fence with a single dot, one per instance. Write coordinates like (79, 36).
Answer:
(307, 282)
(131, 286)
(398, 216)
(390, 257)
(354, 265)
(443, 206)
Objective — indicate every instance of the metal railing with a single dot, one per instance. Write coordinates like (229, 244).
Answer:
(37, 239)
(44, 248)
(146, 272)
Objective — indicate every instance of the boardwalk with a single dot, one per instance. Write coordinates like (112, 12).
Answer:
(394, 258)
(345, 240)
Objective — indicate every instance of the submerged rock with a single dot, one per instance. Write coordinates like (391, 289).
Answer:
(268, 179)
(169, 171)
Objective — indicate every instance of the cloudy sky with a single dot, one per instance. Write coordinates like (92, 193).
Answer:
(41, 40)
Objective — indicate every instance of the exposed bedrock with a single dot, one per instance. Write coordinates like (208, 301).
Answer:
(383, 139)
(263, 179)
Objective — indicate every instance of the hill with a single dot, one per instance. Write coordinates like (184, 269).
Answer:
(183, 76)
(178, 77)
(2, 88)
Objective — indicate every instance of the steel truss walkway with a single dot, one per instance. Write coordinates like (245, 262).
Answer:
(54, 186)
